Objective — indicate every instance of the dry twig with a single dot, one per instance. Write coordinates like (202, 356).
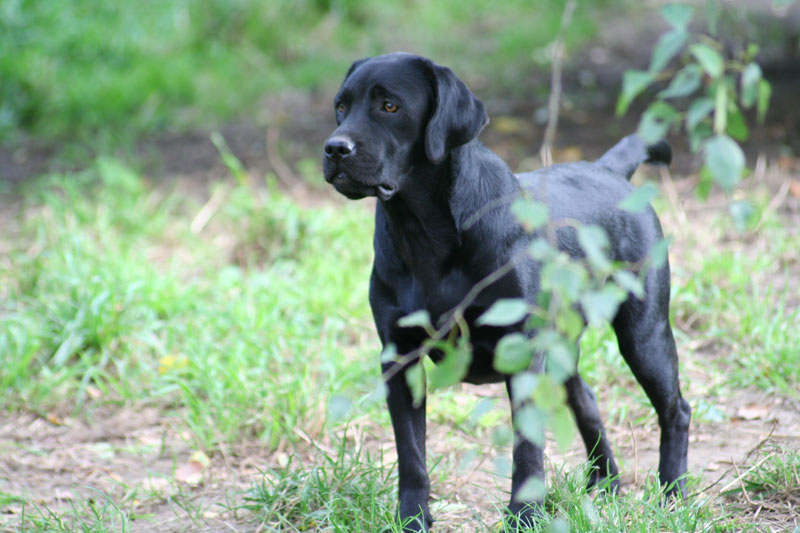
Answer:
(545, 152)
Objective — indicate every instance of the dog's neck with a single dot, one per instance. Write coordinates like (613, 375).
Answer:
(431, 216)
(421, 222)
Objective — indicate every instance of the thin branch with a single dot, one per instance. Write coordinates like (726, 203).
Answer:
(454, 316)
(545, 152)
(282, 170)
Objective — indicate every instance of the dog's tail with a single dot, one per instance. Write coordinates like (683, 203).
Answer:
(626, 156)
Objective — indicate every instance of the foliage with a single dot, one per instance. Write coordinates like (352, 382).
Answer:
(103, 72)
(707, 97)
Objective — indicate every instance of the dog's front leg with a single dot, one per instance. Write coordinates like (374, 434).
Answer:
(408, 422)
(528, 462)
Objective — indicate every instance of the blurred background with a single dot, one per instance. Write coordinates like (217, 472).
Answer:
(185, 338)
(149, 80)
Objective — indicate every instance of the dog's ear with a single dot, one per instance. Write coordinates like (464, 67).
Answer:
(354, 66)
(457, 118)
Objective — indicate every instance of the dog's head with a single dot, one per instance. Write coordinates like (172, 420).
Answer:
(396, 113)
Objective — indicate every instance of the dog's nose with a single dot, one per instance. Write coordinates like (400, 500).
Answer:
(339, 148)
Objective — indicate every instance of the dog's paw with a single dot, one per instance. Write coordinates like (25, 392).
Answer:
(420, 523)
(524, 515)
(414, 516)
(607, 485)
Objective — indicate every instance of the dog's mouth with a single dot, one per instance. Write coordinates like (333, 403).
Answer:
(355, 190)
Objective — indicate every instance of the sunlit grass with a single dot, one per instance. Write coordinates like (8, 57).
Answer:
(112, 297)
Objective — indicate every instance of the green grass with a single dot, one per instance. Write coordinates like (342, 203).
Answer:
(351, 490)
(109, 294)
(103, 73)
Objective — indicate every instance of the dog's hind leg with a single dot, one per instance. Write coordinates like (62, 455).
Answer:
(528, 462)
(582, 401)
(646, 342)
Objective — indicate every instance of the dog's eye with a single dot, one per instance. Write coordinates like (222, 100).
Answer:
(389, 107)
(340, 107)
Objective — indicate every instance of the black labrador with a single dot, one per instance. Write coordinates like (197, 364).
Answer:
(407, 134)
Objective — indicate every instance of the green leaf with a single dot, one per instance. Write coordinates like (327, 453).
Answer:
(541, 250)
(778, 4)
(532, 214)
(709, 59)
(415, 379)
(633, 83)
(338, 408)
(502, 466)
(677, 15)
(725, 160)
(419, 318)
(522, 387)
(549, 393)
(563, 427)
(513, 354)
(453, 366)
(751, 75)
(532, 490)
(656, 121)
(570, 323)
(504, 312)
(502, 435)
(530, 422)
(449, 371)
(601, 306)
(467, 459)
(482, 408)
(698, 110)
(561, 361)
(745, 215)
(659, 253)
(737, 126)
(594, 241)
(629, 282)
(764, 94)
(668, 45)
(564, 277)
(685, 82)
(389, 353)
(698, 135)
(720, 108)
(639, 199)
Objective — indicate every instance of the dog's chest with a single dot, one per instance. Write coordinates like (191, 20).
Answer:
(437, 295)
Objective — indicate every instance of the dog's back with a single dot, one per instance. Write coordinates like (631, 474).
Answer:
(590, 193)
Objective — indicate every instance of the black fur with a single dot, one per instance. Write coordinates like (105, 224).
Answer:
(407, 133)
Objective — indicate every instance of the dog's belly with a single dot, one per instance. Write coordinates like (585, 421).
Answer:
(481, 368)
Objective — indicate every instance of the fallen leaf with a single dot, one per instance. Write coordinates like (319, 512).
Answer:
(54, 419)
(200, 458)
(190, 473)
(794, 188)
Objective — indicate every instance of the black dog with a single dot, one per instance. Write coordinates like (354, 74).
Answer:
(407, 135)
